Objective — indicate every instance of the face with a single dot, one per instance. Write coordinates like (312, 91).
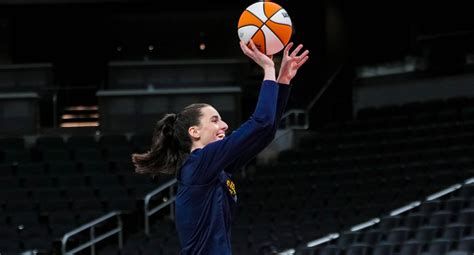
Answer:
(211, 128)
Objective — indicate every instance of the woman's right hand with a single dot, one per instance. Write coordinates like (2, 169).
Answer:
(264, 61)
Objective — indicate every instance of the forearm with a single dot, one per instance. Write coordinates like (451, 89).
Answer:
(284, 80)
(265, 109)
(281, 102)
(269, 73)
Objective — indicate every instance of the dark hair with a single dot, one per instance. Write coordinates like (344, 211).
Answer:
(171, 142)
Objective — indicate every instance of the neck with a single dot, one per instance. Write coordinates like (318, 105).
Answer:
(196, 146)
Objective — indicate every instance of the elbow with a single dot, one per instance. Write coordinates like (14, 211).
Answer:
(264, 129)
(273, 126)
(268, 130)
(266, 123)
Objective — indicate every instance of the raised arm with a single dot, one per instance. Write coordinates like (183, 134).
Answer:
(216, 156)
(290, 64)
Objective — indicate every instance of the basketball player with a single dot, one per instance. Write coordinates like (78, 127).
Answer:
(193, 145)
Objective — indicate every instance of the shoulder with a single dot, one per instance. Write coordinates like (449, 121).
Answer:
(190, 165)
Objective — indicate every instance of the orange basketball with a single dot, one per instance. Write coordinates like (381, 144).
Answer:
(267, 24)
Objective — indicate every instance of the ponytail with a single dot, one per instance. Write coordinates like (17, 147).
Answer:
(171, 143)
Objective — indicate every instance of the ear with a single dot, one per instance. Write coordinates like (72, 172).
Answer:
(194, 132)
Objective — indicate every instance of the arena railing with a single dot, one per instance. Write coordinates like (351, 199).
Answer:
(167, 201)
(295, 119)
(93, 238)
(375, 221)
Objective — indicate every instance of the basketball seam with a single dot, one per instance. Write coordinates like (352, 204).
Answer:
(265, 13)
(253, 14)
(286, 25)
(265, 22)
(276, 35)
(251, 25)
(268, 18)
(275, 21)
(264, 40)
(260, 28)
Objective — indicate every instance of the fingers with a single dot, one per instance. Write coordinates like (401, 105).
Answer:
(250, 49)
(247, 51)
(287, 48)
(304, 54)
(243, 46)
(252, 45)
(302, 61)
(295, 52)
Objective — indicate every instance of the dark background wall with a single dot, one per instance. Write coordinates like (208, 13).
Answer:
(79, 37)
(65, 31)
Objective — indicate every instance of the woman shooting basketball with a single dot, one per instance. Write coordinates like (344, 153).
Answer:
(193, 145)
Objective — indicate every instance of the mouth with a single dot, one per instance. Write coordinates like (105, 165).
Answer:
(221, 136)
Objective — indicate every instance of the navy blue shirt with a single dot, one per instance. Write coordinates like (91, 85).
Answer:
(207, 196)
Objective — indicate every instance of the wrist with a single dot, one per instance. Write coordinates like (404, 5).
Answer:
(269, 74)
(268, 66)
(283, 80)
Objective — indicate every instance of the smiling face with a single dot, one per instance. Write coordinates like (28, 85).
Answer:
(210, 129)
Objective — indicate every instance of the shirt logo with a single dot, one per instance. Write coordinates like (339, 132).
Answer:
(231, 187)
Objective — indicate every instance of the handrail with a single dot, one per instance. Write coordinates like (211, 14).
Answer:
(287, 120)
(398, 211)
(149, 212)
(321, 92)
(93, 240)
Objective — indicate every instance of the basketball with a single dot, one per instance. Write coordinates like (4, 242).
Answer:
(267, 24)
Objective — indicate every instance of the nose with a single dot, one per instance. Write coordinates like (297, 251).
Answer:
(224, 126)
